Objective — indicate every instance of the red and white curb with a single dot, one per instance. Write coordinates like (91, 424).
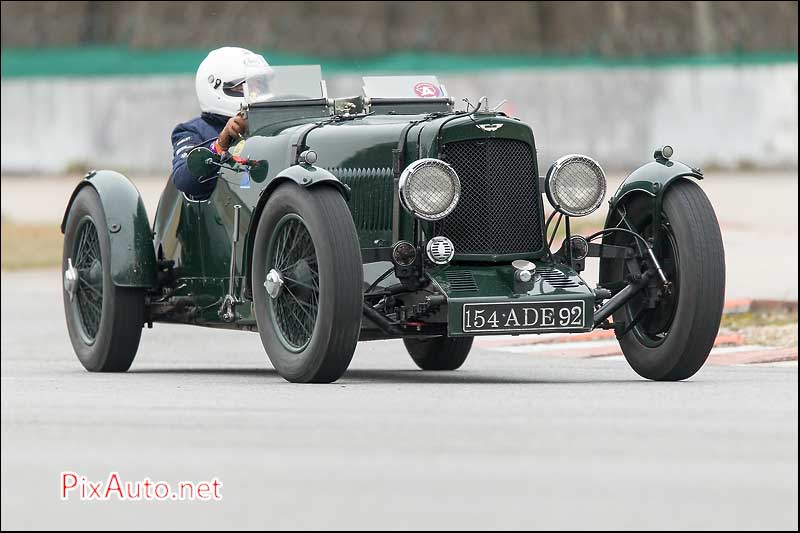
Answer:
(722, 353)
(729, 348)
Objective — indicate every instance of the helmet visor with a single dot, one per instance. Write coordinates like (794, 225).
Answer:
(234, 88)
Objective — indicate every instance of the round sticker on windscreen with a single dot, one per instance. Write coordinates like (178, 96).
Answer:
(426, 90)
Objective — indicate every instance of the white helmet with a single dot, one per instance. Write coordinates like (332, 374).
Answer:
(220, 77)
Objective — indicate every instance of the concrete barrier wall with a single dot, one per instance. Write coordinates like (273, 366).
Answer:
(727, 116)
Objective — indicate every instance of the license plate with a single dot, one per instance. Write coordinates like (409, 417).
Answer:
(529, 316)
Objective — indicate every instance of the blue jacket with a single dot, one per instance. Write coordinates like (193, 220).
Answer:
(200, 131)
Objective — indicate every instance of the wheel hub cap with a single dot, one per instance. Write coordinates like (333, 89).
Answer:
(70, 279)
(274, 283)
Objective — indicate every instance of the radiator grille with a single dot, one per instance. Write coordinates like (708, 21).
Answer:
(498, 212)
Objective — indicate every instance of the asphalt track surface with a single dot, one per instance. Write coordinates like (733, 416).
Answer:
(508, 441)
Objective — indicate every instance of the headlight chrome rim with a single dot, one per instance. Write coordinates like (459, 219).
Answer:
(556, 172)
(414, 205)
(404, 260)
(570, 246)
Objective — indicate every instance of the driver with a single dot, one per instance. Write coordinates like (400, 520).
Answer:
(220, 90)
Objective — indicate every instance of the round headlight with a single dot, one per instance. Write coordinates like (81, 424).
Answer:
(429, 189)
(575, 185)
(404, 253)
(577, 247)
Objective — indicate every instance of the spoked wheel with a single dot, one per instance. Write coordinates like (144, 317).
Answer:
(87, 279)
(307, 283)
(671, 340)
(104, 321)
(293, 282)
(439, 353)
(652, 326)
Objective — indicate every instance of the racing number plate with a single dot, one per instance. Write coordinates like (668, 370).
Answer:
(529, 316)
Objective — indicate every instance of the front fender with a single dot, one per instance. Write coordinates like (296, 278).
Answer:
(133, 258)
(652, 179)
(305, 176)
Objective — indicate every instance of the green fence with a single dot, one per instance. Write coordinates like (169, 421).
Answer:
(105, 61)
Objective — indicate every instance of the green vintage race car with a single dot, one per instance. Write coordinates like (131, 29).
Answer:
(392, 215)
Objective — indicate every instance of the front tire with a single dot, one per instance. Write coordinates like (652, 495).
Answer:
(104, 321)
(673, 341)
(439, 353)
(307, 283)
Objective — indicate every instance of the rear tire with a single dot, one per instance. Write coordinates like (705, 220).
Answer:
(310, 328)
(104, 321)
(439, 353)
(672, 342)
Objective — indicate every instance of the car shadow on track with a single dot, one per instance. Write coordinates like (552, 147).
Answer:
(366, 376)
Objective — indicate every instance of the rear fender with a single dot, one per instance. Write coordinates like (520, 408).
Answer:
(133, 259)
